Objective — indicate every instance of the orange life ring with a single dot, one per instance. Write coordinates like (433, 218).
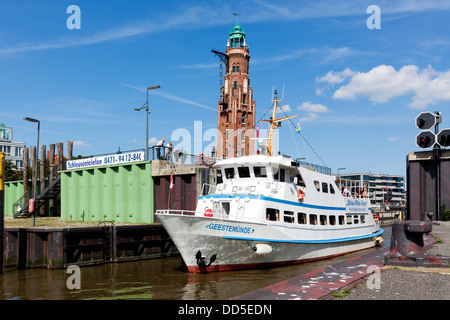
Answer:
(208, 212)
(376, 217)
(300, 194)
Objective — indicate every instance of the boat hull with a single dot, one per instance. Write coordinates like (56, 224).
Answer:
(236, 244)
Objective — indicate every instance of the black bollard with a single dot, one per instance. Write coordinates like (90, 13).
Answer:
(407, 245)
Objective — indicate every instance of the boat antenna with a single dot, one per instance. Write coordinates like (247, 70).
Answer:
(274, 123)
(282, 95)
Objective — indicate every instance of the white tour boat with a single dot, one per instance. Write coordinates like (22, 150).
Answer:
(271, 210)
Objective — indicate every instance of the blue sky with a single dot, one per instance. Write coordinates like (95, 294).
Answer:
(356, 91)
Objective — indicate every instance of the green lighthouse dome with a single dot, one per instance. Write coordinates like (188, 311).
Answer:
(237, 36)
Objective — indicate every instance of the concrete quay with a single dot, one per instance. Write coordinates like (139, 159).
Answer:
(367, 278)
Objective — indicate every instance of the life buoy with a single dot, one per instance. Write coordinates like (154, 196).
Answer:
(208, 212)
(300, 194)
(376, 217)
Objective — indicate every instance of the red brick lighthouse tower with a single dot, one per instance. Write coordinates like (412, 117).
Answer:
(236, 109)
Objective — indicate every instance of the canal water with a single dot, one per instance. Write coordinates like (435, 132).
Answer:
(158, 279)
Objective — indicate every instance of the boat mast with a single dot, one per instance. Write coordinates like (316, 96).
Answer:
(274, 123)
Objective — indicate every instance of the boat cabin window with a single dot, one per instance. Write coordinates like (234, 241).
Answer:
(275, 172)
(301, 218)
(317, 185)
(349, 219)
(298, 180)
(332, 220)
(363, 219)
(355, 219)
(323, 220)
(272, 214)
(288, 217)
(324, 187)
(341, 220)
(225, 208)
(260, 172)
(331, 189)
(313, 219)
(229, 173)
(278, 174)
(244, 172)
(219, 177)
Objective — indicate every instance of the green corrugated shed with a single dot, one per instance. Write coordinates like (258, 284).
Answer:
(121, 193)
(14, 191)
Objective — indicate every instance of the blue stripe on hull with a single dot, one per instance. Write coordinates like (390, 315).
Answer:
(309, 241)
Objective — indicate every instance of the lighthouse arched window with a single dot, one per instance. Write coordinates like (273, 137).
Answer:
(235, 85)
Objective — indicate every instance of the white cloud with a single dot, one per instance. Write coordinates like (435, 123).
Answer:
(384, 83)
(312, 110)
(80, 144)
(336, 77)
(392, 139)
(286, 108)
(311, 107)
(152, 141)
(171, 96)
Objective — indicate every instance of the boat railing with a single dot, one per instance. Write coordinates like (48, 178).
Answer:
(178, 212)
(211, 214)
(314, 167)
(352, 188)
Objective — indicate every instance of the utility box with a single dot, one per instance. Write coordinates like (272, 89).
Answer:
(428, 183)
(117, 193)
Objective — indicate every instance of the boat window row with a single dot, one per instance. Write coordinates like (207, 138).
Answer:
(278, 174)
(313, 219)
(324, 187)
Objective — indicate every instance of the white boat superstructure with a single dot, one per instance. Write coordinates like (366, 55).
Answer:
(271, 210)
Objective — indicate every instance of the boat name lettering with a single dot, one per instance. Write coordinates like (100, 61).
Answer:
(228, 228)
(356, 202)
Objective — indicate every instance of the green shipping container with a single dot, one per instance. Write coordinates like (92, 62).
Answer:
(121, 193)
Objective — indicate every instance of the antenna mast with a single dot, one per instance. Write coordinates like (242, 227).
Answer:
(274, 123)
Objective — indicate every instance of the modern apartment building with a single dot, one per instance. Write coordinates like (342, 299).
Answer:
(12, 149)
(381, 188)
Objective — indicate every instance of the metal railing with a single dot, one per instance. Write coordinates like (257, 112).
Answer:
(178, 156)
(178, 212)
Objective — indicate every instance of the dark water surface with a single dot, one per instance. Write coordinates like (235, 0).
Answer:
(159, 279)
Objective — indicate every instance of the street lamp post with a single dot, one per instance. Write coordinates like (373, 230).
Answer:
(37, 166)
(147, 112)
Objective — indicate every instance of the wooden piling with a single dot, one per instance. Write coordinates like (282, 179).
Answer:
(42, 173)
(25, 166)
(33, 154)
(51, 176)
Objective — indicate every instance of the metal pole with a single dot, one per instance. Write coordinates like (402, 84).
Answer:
(36, 174)
(146, 130)
(2, 212)
(37, 165)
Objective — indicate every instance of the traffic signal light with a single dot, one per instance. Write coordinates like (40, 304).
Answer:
(426, 139)
(426, 120)
(443, 138)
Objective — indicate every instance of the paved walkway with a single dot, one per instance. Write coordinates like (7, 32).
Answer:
(353, 279)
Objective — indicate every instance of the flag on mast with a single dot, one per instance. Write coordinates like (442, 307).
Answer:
(171, 182)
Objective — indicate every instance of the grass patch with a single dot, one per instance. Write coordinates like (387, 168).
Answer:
(341, 294)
